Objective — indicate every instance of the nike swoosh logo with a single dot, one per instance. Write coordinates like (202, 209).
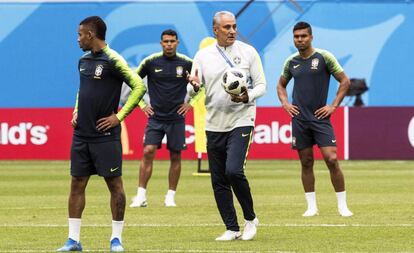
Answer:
(157, 70)
(296, 66)
(80, 70)
(244, 135)
(114, 169)
(333, 141)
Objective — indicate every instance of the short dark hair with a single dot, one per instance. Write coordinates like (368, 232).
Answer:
(303, 25)
(170, 32)
(96, 25)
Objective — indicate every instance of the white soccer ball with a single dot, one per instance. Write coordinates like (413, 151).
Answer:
(233, 80)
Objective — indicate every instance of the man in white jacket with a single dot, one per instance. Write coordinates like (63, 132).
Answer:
(230, 121)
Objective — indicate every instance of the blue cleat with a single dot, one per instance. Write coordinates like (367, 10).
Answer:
(70, 245)
(116, 245)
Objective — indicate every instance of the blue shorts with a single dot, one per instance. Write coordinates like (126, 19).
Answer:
(175, 132)
(90, 158)
(305, 134)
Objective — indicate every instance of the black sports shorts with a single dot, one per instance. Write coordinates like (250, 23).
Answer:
(102, 158)
(305, 134)
(175, 131)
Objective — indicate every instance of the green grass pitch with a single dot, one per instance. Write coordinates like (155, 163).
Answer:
(33, 210)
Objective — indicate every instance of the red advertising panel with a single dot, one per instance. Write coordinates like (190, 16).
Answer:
(381, 133)
(47, 134)
(35, 133)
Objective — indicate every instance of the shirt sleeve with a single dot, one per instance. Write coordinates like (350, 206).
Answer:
(132, 80)
(142, 71)
(258, 77)
(142, 104)
(332, 63)
(75, 110)
(285, 71)
(196, 65)
(142, 68)
(190, 65)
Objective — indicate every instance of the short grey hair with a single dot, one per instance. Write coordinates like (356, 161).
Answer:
(219, 14)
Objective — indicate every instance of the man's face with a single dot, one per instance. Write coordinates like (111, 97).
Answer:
(84, 38)
(302, 39)
(169, 44)
(225, 30)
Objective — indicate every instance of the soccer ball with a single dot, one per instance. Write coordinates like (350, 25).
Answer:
(233, 80)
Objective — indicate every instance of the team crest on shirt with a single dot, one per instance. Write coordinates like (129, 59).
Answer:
(179, 70)
(315, 63)
(237, 60)
(98, 71)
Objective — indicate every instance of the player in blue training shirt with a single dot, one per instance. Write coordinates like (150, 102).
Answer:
(311, 69)
(96, 146)
(167, 89)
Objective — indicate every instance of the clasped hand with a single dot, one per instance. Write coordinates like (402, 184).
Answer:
(325, 111)
(243, 97)
(292, 110)
(106, 123)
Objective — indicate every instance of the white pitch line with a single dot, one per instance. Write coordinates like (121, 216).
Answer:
(157, 250)
(31, 208)
(212, 225)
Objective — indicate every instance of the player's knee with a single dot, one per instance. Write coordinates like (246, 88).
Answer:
(175, 157)
(117, 190)
(331, 159)
(307, 162)
(149, 152)
(115, 184)
(78, 184)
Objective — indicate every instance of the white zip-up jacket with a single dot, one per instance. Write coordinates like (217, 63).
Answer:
(224, 115)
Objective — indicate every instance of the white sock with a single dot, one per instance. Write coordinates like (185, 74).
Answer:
(311, 200)
(74, 229)
(142, 192)
(171, 193)
(117, 227)
(341, 196)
